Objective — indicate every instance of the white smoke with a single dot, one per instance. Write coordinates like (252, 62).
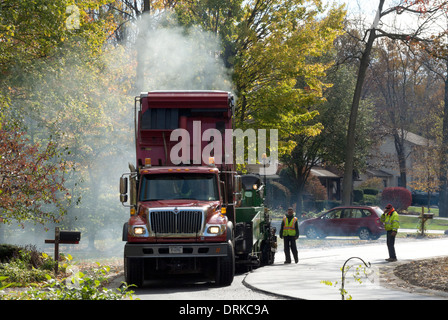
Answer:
(176, 58)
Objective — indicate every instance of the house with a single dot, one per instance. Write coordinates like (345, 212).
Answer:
(330, 180)
(383, 160)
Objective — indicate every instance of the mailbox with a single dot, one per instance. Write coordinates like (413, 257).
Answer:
(70, 236)
(428, 215)
(62, 237)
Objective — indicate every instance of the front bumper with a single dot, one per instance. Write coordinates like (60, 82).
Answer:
(180, 250)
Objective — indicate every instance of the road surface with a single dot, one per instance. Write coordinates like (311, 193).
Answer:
(319, 263)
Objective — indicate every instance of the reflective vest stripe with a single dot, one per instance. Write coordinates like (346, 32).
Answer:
(289, 227)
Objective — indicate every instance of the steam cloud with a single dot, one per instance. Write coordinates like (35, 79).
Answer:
(176, 58)
(169, 57)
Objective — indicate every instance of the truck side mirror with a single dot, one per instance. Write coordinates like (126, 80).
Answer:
(123, 189)
(223, 191)
(238, 183)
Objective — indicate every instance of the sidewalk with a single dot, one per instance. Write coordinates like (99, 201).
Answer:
(303, 280)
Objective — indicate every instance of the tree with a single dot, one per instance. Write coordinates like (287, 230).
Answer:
(327, 148)
(425, 172)
(57, 97)
(275, 49)
(437, 49)
(347, 182)
(280, 80)
(396, 75)
(416, 7)
(31, 179)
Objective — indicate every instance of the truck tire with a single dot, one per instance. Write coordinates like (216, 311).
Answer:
(225, 270)
(267, 255)
(133, 271)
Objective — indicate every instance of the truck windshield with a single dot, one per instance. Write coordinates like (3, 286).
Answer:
(179, 186)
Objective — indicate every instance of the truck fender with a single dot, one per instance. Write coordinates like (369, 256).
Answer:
(229, 231)
(124, 237)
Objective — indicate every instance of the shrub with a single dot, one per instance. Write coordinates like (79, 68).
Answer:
(372, 183)
(321, 205)
(371, 191)
(357, 195)
(370, 200)
(18, 274)
(79, 286)
(400, 198)
(314, 187)
(8, 252)
(23, 265)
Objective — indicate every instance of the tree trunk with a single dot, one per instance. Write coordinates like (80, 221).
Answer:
(299, 203)
(443, 192)
(2, 233)
(347, 183)
(146, 5)
(399, 147)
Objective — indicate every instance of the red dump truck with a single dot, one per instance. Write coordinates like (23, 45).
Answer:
(183, 190)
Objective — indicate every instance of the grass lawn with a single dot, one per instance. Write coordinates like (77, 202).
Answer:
(412, 222)
(418, 210)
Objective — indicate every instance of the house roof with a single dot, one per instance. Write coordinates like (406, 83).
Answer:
(416, 139)
(322, 173)
(378, 173)
(412, 138)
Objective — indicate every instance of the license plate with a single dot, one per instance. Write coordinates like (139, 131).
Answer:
(176, 250)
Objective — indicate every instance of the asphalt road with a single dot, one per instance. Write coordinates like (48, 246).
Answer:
(183, 288)
(246, 286)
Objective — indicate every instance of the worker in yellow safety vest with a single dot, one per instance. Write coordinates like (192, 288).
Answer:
(289, 232)
(391, 224)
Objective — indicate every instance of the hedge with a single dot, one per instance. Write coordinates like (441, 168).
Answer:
(400, 198)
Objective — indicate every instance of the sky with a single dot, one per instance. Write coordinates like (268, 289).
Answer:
(366, 11)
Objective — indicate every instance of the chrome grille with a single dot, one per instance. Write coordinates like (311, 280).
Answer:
(182, 222)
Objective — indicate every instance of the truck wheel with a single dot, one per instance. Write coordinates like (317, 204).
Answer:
(267, 255)
(133, 271)
(225, 270)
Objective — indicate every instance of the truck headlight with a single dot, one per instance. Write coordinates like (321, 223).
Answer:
(214, 230)
(139, 231)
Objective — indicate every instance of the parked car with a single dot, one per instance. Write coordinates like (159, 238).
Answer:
(420, 198)
(362, 221)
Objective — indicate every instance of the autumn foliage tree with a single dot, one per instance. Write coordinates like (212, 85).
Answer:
(31, 179)
(40, 40)
(426, 11)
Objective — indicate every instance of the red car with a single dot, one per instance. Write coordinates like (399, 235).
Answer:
(362, 221)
